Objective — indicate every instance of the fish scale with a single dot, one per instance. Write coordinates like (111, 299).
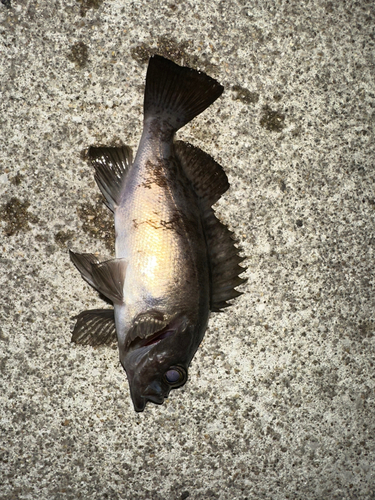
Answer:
(152, 236)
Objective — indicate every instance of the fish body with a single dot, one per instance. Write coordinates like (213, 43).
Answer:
(175, 262)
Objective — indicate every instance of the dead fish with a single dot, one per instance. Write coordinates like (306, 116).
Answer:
(175, 262)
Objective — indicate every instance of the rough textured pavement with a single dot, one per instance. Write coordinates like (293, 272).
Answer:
(280, 401)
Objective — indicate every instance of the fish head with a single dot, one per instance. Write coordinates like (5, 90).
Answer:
(158, 363)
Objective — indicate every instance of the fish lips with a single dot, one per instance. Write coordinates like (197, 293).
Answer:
(154, 392)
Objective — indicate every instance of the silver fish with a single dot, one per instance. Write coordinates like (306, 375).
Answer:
(175, 262)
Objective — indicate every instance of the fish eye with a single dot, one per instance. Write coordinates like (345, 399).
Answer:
(175, 376)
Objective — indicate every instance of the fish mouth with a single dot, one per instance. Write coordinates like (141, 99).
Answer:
(153, 393)
(140, 404)
(154, 398)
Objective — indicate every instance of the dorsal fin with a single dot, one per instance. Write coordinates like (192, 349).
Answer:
(224, 261)
(107, 277)
(111, 165)
(207, 177)
(209, 182)
(95, 327)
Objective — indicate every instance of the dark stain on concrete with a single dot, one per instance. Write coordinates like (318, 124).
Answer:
(16, 216)
(174, 50)
(244, 95)
(63, 237)
(86, 5)
(271, 120)
(98, 222)
(17, 179)
(79, 54)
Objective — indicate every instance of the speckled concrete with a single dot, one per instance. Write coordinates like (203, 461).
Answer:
(280, 401)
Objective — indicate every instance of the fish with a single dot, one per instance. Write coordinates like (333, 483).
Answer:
(175, 262)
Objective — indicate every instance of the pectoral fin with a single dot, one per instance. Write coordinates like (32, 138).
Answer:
(95, 327)
(107, 277)
(145, 325)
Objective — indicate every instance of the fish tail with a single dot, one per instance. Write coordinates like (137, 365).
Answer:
(176, 94)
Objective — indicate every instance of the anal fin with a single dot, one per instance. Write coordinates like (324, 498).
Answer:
(111, 166)
(84, 262)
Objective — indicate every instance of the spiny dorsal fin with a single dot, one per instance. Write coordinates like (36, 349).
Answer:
(224, 261)
(209, 182)
(207, 177)
(95, 327)
(111, 165)
(177, 94)
(107, 277)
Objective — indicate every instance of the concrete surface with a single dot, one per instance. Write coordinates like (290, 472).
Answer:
(280, 401)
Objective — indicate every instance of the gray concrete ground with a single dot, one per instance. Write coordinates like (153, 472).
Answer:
(280, 401)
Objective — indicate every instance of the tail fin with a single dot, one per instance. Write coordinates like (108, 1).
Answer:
(176, 93)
